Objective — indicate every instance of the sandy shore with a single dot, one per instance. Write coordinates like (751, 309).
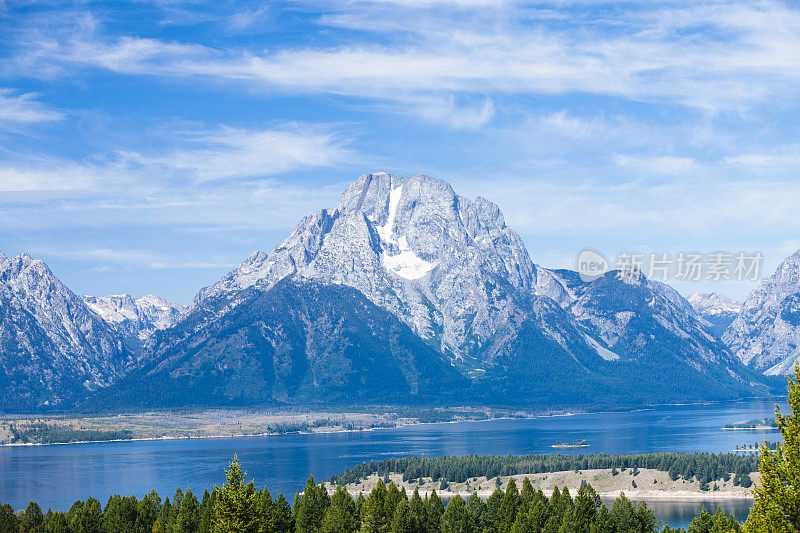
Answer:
(650, 485)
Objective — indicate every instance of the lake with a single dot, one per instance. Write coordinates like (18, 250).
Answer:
(55, 476)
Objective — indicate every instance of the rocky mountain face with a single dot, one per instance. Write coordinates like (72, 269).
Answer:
(452, 271)
(448, 267)
(136, 319)
(719, 310)
(296, 342)
(766, 333)
(52, 346)
(404, 293)
(637, 318)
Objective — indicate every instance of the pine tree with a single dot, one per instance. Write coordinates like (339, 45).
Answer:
(418, 510)
(279, 518)
(236, 506)
(526, 494)
(435, 510)
(623, 514)
(476, 509)
(32, 519)
(341, 515)
(508, 509)
(491, 521)
(404, 520)
(776, 507)
(147, 511)
(456, 519)
(188, 515)
(701, 523)
(8, 520)
(587, 504)
(309, 509)
(54, 522)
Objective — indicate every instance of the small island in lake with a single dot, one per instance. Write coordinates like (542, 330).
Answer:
(754, 425)
(577, 444)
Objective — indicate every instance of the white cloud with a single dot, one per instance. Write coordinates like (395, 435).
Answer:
(714, 56)
(24, 108)
(236, 153)
(659, 165)
(786, 157)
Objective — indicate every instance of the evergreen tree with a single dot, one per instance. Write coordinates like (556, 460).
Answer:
(723, 523)
(8, 520)
(188, 516)
(310, 507)
(776, 507)
(393, 498)
(646, 518)
(207, 508)
(32, 520)
(435, 509)
(147, 511)
(341, 515)
(88, 517)
(373, 513)
(54, 522)
(236, 506)
(456, 518)
(279, 518)
(404, 520)
(587, 505)
(508, 509)
(526, 494)
(701, 523)
(623, 514)
(476, 508)
(419, 512)
(491, 521)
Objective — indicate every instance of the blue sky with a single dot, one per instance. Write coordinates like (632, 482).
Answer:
(150, 147)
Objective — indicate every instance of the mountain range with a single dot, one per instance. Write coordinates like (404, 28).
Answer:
(405, 292)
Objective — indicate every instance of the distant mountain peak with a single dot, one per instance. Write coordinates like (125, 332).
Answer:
(714, 303)
(136, 318)
(53, 345)
(413, 246)
(766, 334)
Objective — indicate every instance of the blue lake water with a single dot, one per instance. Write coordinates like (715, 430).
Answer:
(55, 476)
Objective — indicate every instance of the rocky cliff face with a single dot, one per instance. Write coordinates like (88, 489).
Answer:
(637, 318)
(766, 334)
(449, 267)
(52, 346)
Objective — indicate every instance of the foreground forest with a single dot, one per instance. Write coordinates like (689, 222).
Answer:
(237, 506)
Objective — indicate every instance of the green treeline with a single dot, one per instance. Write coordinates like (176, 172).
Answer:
(706, 467)
(42, 433)
(238, 507)
(751, 424)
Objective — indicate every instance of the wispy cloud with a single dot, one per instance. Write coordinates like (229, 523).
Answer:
(24, 108)
(713, 55)
(236, 152)
(658, 165)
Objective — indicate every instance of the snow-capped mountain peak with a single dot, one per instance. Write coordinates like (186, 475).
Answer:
(136, 317)
(714, 303)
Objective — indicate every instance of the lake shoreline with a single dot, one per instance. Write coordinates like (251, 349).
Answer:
(146, 422)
